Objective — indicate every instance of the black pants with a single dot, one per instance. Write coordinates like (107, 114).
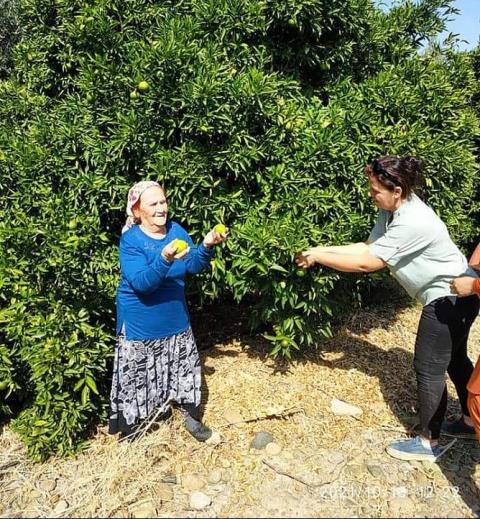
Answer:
(441, 347)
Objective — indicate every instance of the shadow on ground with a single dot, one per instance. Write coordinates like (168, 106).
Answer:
(394, 372)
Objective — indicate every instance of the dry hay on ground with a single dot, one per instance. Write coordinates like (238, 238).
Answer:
(368, 364)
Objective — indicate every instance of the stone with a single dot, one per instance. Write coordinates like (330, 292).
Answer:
(233, 416)
(401, 506)
(355, 469)
(35, 494)
(47, 485)
(261, 440)
(169, 478)
(145, 508)
(192, 482)
(61, 507)
(341, 408)
(375, 470)
(215, 476)
(214, 439)
(273, 449)
(199, 501)
(164, 492)
(226, 463)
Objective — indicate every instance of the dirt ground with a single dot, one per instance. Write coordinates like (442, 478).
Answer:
(319, 464)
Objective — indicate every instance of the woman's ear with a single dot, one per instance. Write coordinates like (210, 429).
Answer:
(136, 212)
(397, 191)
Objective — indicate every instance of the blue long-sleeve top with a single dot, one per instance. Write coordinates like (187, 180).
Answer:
(151, 300)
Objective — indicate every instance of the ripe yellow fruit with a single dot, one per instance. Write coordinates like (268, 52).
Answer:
(220, 228)
(143, 86)
(180, 246)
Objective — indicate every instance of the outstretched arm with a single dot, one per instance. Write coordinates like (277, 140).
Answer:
(344, 262)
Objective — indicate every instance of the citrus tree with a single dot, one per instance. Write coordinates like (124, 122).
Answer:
(9, 33)
(259, 114)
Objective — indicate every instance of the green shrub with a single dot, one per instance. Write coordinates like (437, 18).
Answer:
(9, 34)
(259, 114)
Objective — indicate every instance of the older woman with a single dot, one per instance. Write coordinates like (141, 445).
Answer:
(156, 359)
(412, 241)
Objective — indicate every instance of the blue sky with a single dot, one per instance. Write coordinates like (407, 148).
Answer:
(466, 24)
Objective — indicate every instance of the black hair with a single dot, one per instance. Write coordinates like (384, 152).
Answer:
(393, 171)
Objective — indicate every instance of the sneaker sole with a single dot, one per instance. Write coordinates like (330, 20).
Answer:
(405, 456)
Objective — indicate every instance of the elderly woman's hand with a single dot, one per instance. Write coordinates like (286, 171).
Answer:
(214, 238)
(169, 252)
(305, 259)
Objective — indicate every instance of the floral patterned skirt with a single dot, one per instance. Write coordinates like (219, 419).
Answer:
(149, 375)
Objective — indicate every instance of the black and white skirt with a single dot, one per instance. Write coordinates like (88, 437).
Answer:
(149, 375)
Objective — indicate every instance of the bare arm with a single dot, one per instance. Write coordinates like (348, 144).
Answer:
(475, 258)
(352, 248)
(363, 262)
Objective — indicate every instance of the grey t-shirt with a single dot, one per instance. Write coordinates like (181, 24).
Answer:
(418, 250)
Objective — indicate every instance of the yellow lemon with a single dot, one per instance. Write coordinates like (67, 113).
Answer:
(180, 246)
(220, 228)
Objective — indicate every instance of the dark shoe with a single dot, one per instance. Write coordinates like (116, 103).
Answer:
(199, 431)
(458, 429)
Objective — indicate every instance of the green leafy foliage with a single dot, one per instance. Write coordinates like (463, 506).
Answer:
(258, 114)
(9, 34)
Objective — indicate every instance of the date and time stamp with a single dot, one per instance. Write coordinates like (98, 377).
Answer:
(381, 492)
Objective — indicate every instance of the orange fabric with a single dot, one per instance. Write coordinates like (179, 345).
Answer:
(475, 259)
(476, 286)
(473, 385)
(473, 403)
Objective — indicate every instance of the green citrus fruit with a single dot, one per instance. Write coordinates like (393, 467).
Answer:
(143, 86)
(180, 246)
(301, 273)
(133, 94)
(72, 224)
(220, 228)
(285, 343)
(3, 385)
(291, 22)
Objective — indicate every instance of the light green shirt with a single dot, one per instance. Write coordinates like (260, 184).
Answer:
(418, 250)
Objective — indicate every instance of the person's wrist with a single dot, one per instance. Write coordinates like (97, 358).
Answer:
(208, 246)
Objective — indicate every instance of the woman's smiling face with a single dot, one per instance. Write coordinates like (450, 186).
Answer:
(153, 209)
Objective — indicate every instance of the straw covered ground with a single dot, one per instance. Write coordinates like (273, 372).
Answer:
(320, 464)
